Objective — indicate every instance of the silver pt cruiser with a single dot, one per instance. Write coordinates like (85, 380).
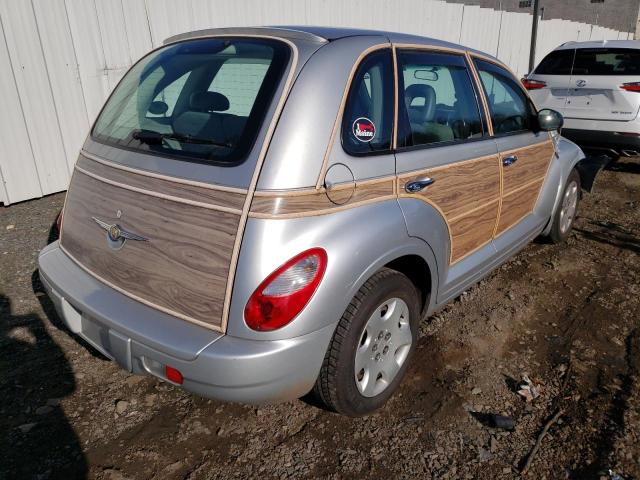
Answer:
(259, 213)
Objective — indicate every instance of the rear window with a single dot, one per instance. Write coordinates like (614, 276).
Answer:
(200, 100)
(607, 61)
(557, 62)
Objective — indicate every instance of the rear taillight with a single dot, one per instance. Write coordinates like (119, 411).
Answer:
(533, 84)
(284, 293)
(631, 87)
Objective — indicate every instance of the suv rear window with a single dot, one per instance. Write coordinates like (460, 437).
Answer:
(557, 62)
(607, 61)
(201, 100)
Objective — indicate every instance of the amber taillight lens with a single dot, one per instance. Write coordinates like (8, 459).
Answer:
(286, 291)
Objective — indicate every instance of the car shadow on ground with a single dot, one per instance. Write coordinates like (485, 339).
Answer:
(624, 167)
(611, 234)
(37, 439)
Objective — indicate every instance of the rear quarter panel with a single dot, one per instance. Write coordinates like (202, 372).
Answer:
(359, 241)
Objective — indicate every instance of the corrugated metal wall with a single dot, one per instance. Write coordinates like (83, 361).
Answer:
(59, 59)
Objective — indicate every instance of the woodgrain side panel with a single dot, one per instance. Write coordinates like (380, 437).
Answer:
(532, 164)
(212, 197)
(517, 205)
(183, 267)
(460, 188)
(312, 202)
(472, 231)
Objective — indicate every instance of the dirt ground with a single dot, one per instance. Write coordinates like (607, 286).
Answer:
(567, 316)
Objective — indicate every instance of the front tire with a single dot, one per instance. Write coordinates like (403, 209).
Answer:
(566, 212)
(372, 346)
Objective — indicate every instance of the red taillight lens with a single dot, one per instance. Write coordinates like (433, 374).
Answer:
(631, 87)
(173, 375)
(284, 293)
(533, 84)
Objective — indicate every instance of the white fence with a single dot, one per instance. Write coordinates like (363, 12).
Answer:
(59, 59)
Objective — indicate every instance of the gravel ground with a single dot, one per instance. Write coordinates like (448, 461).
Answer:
(567, 316)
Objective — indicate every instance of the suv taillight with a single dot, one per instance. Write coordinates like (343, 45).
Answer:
(631, 87)
(533, 84)
(284, 293)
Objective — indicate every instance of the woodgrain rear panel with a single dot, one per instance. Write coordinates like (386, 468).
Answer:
(183, 267)
(214, 198)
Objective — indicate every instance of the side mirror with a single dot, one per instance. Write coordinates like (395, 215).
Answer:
(550, 120)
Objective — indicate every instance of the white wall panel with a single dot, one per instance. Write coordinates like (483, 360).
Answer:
(17, 165)
(85, 32)
(62, 69)
(137, 28)
(115, 42)
(60, 59)
(34, 88)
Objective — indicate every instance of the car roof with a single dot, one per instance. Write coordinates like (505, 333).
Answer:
(601, 44)
(320, 34)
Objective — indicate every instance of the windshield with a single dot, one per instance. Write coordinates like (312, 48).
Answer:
(200, 100)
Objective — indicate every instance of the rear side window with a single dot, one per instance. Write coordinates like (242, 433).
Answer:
(200, 100)
(557, 62)
(607, 61)
(510, 108)
(367, 122)
(437, 100)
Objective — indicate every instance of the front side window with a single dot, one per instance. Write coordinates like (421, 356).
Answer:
(367, 122)
(438, 103)
(200, 100)
(510, 108)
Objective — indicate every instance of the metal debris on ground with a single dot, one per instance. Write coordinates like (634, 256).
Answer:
(528, 389)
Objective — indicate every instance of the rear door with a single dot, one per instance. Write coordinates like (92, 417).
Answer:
(596, 87)
(551, 80)
(445, 157)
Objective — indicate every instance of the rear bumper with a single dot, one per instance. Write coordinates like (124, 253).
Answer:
(603, 140)
(142, 340)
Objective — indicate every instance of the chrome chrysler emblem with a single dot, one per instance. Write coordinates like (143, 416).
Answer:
(581, 83)
(117, 235)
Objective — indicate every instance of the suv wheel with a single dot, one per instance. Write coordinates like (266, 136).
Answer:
(566, 212)
(372, 345)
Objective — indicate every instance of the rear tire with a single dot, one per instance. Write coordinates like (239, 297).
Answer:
(371, 347)
(567, 210)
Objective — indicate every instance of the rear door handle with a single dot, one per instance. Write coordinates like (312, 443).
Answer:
(419, 185)
(510, 160)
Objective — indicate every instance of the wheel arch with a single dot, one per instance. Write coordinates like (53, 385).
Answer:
(416, 269)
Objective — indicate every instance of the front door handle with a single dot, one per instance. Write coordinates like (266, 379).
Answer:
(419, 185)
(510, 160)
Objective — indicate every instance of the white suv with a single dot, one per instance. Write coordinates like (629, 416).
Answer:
(596, 87)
